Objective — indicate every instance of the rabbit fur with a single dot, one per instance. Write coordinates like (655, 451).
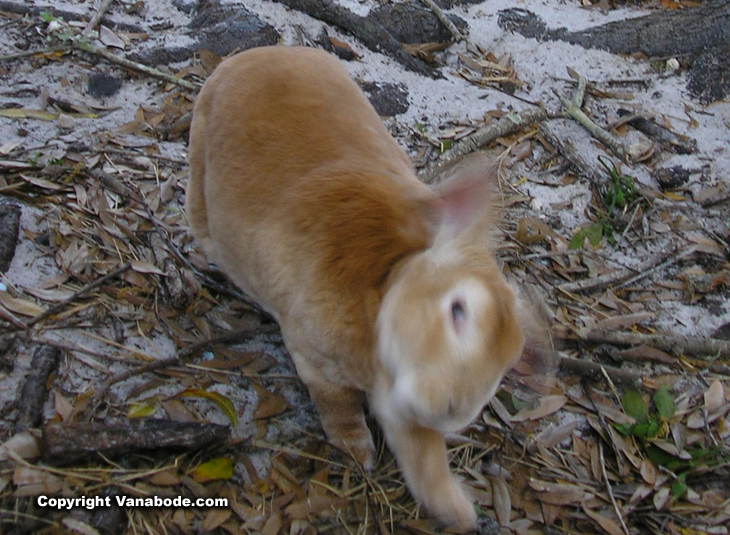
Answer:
(384, 288)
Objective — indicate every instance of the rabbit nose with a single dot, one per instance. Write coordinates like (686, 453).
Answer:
(451, 409)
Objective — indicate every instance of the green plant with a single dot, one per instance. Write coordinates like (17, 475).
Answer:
(620, 193)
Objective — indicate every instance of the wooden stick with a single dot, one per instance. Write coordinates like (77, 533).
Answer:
(453, 30)
(572, 110)
(124, 62)
(60, 306)
(679, 345)
(595, 371)
(94, 22)
(177, 359)
(610, 490)
(641, 271)
(510, 123)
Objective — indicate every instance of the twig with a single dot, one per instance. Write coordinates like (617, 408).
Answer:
(207, 281)
(94, 22)
(124, 62)
(26, 53)
(510, 123)
(596, 371)
(572, 110)
(641, 271)
(177, 359)
(676, 143)
(610, 490)
(60, 306)
(688, 345)
(453, 30)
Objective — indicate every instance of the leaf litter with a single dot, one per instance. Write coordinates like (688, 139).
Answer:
(551, 453)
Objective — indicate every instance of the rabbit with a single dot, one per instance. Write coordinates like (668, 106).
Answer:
(385, 289)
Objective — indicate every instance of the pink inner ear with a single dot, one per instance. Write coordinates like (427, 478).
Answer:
(466, 197)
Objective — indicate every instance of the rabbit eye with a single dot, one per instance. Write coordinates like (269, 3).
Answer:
(458, 311)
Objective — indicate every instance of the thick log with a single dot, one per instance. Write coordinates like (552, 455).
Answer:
(69, 442)
(660, 34)
(9, 226)
(33, 395)
(371, 33)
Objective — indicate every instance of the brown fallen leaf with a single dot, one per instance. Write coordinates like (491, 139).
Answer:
(270, 403)
(608, 525)
(548, 405)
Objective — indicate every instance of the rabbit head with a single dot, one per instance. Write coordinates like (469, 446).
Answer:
(448, 325)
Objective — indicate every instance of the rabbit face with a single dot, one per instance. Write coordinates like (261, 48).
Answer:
(447, 334)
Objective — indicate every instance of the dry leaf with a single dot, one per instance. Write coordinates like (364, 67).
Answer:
(218, 468)
(273, 525)
(79, 526)
(270, 403)
(714, 396)
(23, 445)
(223, 403)
(608, 525)
(548, 405)
(146, 267)
(501, 501)
(20, 306)
(559, 493)
(661, 498)
(648, 472)
(216, 517)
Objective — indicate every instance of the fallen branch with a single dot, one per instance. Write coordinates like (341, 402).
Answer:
(595, 371)
(675, 142)
(9, 227)
(571, 108)
(33, 396)
(453, 30)
(509, 124)
(679, 345)
(78, 293)
(178, 358)
(26, 53)
(124, 62)
(629, 276)
(94, 22)
(68, 442)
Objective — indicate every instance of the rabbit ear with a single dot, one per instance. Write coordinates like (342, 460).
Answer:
(466, 197)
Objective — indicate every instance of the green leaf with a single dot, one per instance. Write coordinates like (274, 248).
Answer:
(664, 402)
(594, 233)
(624, 429)
(45, 16)
(659, 456)
(143, 409)
(218, 468)
(223, 403)
(679, 487)
(577, 241)
(635, 406)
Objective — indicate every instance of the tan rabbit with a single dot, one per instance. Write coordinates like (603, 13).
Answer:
(383, 288)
